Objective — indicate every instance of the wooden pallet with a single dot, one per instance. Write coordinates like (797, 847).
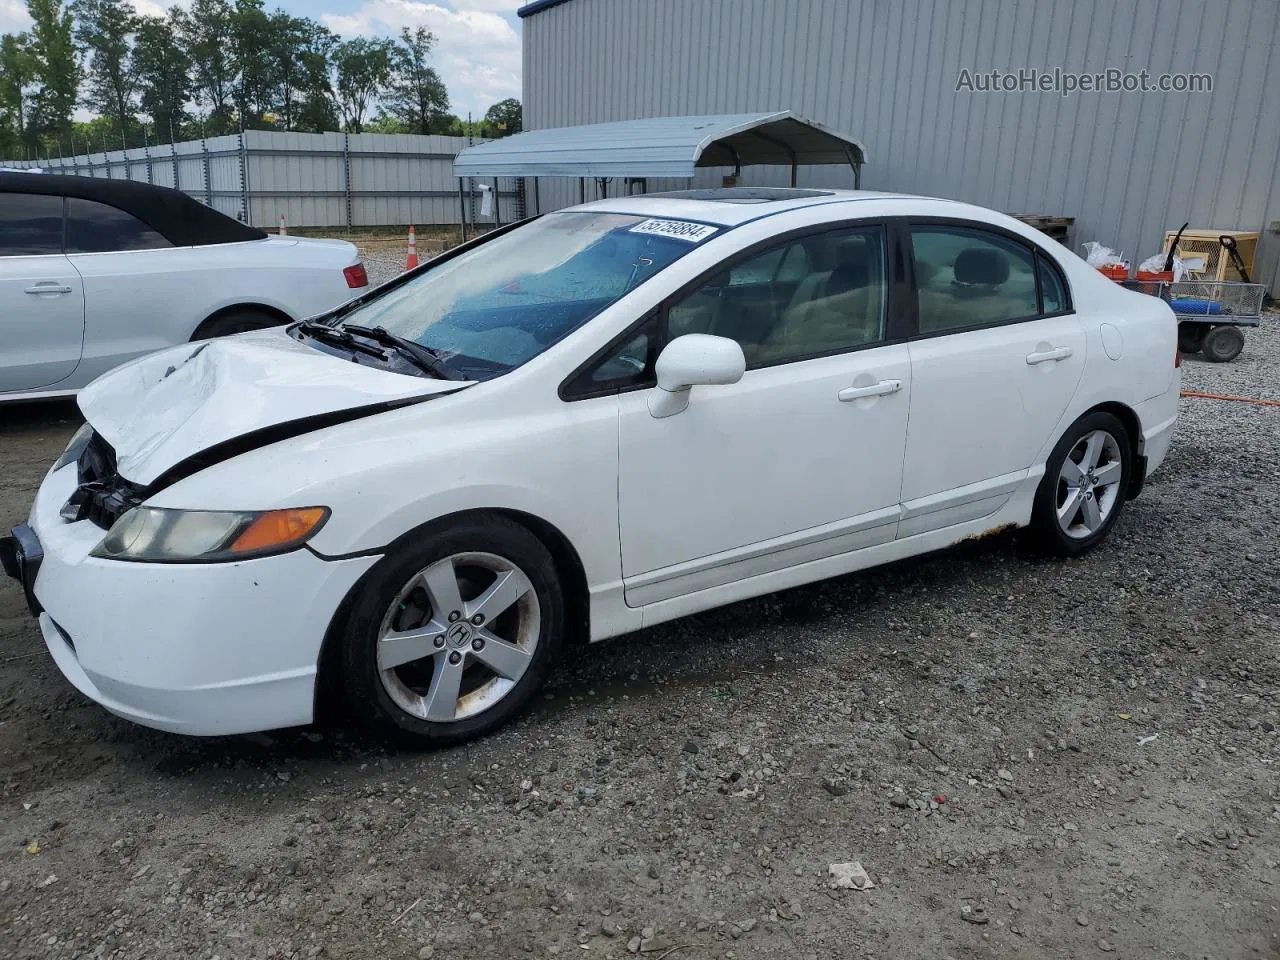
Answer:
(1059, 228)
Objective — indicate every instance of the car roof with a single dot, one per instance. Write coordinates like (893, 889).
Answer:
(179, 218)
(731, 206)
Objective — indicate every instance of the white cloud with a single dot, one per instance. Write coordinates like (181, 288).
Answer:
(497, 6)
(13, 16)
(13, 13)
(477, 50)
(154, 8)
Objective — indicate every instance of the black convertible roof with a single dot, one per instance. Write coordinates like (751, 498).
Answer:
(180, 219)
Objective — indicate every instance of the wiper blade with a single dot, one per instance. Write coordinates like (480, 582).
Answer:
(424, 357)
(311, 326)
(328, 334)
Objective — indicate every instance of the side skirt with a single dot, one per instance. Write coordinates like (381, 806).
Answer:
(606, 622)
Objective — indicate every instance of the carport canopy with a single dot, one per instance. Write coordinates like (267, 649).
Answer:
(662, 147)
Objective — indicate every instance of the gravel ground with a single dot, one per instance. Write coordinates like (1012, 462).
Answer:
(1030, 758)
(384, 259)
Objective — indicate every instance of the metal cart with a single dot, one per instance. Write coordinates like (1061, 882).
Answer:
(1211, 314)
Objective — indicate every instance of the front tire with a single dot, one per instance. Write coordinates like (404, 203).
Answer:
(1084, 486)
(452, 635)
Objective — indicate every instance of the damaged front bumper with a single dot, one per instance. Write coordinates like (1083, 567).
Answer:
(21, 555)
(204, 649)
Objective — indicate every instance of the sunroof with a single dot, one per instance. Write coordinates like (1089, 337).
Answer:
(743, 194)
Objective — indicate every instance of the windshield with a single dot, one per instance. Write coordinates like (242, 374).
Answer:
(498, 306)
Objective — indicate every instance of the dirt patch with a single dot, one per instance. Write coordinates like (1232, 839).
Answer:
(1030, 758)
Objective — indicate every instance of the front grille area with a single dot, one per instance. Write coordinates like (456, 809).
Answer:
(102, 496)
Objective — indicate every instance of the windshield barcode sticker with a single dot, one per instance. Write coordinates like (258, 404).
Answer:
(676, 229)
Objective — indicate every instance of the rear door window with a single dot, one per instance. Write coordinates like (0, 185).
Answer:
(94, 227)
(30, 224)
(969, 278)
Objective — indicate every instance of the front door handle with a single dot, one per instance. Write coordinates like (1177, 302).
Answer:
(883, 388)
(49, 286)
(1045, 356)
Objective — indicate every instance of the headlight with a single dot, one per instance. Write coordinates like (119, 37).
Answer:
(207, 536)
(79, 440)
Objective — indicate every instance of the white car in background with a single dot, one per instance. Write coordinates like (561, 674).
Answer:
(96, 272)
(578, 426)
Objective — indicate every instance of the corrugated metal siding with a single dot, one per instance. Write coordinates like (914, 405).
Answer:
(310, 178)
(1127, 166)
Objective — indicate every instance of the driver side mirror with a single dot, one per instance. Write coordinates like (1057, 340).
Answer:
(692, 360)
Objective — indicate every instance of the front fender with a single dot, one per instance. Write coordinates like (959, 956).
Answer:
(386, 475)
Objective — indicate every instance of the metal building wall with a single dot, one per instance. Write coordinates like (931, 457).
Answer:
(1127, 166)
(313, 179)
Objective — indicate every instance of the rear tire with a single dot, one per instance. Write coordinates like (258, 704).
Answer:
(1084, 487)
(236, 321)
(452, 635)
(1222, 344)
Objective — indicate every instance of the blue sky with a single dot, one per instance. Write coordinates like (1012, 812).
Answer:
(478, 50)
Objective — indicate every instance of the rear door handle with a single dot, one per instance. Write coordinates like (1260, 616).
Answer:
(1044, 356)
(49, 286)
(883, 388)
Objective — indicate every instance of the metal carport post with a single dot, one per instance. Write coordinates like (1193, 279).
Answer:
(462, 207)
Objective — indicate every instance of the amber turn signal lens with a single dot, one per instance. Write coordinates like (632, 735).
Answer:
(276, 529)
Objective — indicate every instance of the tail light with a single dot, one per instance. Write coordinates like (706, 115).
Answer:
(356, 276)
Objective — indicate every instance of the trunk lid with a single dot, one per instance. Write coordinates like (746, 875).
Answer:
(289, 240)
(169, 406)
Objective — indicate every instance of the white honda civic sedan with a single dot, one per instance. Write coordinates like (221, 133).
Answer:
(580, 425)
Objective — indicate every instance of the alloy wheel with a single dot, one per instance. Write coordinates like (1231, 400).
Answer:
(1089, 484)
(458, 637)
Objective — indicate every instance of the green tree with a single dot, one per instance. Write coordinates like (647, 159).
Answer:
(163, 75)
(90, 136)
(387, 123)
(452, 126)
(298, 51)
(204, 32)
(56, 68)
(503, 118)
(286, 39)
(317, 111)
(416, 95)
(17, 74)
(251, 57)
(363, 68)
(104, 29)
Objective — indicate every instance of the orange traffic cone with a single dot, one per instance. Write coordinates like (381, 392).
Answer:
(284, 229)
(411, 260)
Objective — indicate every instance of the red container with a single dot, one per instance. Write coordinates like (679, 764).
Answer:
(1150, 281)
(1114, 271)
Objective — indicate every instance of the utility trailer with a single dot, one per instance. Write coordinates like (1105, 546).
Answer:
(1212, 314)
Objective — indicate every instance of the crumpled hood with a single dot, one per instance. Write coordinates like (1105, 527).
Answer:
(165, 407)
